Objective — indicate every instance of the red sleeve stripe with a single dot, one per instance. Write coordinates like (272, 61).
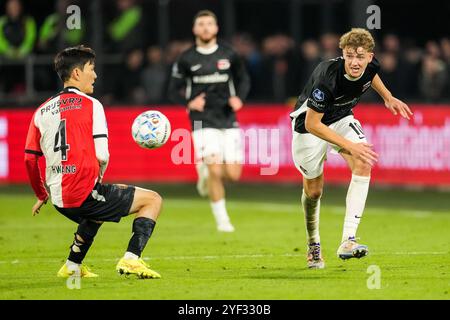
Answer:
(38, 153)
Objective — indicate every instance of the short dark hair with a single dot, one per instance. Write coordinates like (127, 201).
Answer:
(71, 58)
(204, 13)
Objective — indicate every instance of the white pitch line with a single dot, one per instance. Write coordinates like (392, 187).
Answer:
(237, 256)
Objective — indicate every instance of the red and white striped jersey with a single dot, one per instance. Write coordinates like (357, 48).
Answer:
(63, 129)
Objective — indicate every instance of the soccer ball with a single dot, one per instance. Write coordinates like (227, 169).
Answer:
(151, 129)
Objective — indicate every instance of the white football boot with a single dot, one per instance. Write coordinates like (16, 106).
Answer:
(352, 249)
(225, 226)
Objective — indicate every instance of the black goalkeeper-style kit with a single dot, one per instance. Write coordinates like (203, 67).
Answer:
(219, 73)
(331, 92)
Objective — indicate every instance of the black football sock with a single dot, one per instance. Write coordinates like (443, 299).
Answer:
(87, 230)
(142, 230)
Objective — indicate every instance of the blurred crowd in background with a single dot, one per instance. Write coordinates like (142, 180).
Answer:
(278, 65)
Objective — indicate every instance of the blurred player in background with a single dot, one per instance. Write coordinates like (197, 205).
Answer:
(70, 130)
(211, 80)
(323, 116)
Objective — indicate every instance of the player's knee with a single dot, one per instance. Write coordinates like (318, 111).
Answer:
(215, 171)
(154, 199)
(362, 168)
(234, 176)
(314, 193)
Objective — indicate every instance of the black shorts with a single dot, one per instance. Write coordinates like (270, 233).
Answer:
(106, 202)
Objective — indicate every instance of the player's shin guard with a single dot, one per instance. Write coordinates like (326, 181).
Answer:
(83, 240)
(142, 230)
(356, 201)
(311, 209)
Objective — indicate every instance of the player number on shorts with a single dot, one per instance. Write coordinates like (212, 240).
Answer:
(60, 138)
(357, 128)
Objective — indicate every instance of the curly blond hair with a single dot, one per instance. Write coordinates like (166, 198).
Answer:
(357, 37)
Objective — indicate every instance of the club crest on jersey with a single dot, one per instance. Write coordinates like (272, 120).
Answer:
(318, 95)
(366, 86)
(223, 64)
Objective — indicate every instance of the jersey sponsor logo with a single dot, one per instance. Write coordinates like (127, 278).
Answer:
(354, 101)
(196, 67)
(316, 104)
(366, 86)
(211, 78)
(318, 95)
(69, 103)
(223, 64)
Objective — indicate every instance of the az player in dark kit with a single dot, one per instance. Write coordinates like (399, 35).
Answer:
(323, 116)
(215, 84)
(70, 130)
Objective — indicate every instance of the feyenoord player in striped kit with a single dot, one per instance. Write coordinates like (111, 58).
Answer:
(70, 130)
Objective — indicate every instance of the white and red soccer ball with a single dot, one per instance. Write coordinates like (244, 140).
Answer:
(151, 129)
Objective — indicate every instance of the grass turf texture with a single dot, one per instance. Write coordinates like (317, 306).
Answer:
(407, 233)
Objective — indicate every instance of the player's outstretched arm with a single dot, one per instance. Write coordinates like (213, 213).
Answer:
(393, 104)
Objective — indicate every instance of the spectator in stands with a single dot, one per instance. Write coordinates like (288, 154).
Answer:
(174, 49)
(445, 49)
(17, 38)
(246, 47)
(412, 60)
(391, 44)
(310, 55)
(277, 52)
(330, 46)
(17, 32)
(125, 84)
(52, 37)
(126, 31)
(390, 72)
(432, 79)
(155, 76)
(432, 49)
(54, 34)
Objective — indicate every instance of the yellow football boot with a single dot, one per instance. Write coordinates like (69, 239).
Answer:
(137, 267)
(65, 272)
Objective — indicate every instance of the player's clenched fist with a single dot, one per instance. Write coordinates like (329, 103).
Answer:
(235, 103)
(198, 103)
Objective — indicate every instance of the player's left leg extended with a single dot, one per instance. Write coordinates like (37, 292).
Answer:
(351, 129)
(355, 203)
(84, 237)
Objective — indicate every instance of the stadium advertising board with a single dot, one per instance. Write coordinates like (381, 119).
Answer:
(411, 153)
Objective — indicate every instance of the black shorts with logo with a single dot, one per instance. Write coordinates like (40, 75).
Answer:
(106, 202)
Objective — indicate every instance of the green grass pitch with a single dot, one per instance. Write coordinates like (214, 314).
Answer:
(407, 233)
